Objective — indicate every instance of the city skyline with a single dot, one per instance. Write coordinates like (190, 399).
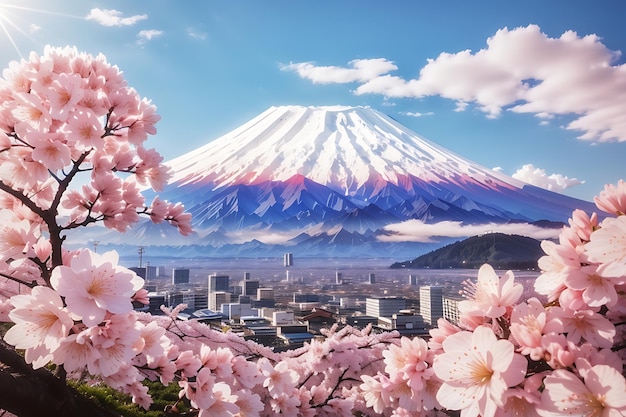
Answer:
(513, 87)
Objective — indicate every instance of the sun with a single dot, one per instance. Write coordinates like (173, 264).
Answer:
(13, 20)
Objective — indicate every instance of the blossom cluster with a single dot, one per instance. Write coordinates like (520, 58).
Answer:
(65, 113)
(559, 352)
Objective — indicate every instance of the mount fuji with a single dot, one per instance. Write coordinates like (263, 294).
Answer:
(334, 181)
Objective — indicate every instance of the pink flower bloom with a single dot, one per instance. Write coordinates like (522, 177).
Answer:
(587, 325)
(18, 238)
(438, 334)
(596, 289)
(50, 151)
(557, 351)
(76, 352)
(246, 372)
(373, 394)
(155, 342)
(188, 363)
(224, 403)
(583, 224)
(600, 393)
(519, 402)
(32, 113)
(250, 405)
(608, 248)
(560, 259)
(116, 342)
(527, 327)
(277, 379)
(84, 131)
(409, 362)
(200, 391)
(285, 403)
(63, 94)
(476, 370)
(613, 199)
(94, 284)
(491, 296)
(40, 320)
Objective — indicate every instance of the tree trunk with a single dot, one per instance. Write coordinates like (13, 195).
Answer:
(27, 392)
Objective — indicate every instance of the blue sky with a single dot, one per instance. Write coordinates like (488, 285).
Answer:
(536, 89)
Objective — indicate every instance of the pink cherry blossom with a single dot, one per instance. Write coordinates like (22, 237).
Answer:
(527, 327)
(84, 131)
(583, 224)
(224, 402)
(373, 393)
(596, 290)
(63, 94)
(40, 320)
(586, 325)
(116, 341)
(477, 369)
(50, 150)
(560, 259)
(76, 352)
(613, 199)
(18, 238)
(608, 248)
(279, 378)
(440, 333)
(599, 393)
(249, 404)
(491, 296)
(31, 114)
(284, 403)
(93, 284)
(409, 362)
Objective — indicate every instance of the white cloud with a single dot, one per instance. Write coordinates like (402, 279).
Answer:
(418, 231)
(33, 28)
(146, 35)
(362, 70)
(418, 114)
(196, 35)
(520, 70)
(112, 17)
(538, 177)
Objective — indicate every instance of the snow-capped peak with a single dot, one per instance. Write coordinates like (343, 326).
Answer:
(344, 148)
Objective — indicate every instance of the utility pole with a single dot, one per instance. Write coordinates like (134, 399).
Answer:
(141, 251)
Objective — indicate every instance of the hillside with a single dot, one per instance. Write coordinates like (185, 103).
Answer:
(500, 250)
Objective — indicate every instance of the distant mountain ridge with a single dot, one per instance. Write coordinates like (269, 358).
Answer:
(500, 250)
(298, 178)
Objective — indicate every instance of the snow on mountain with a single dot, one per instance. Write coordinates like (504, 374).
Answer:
(339, 175)
(355, 150)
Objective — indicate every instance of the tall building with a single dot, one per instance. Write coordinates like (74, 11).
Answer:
(217, 298)
(180, 276)
(288, 259)
(412, 279)
(431, 304)
(218, 283)
(451, 308)
(371, 278)
(250, 287)
(384, 307)
(265, 294)
(338, 278)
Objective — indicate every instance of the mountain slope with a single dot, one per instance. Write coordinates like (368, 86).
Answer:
(317, 171)
(500, 250)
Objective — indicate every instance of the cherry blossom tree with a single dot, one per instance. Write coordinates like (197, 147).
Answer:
(68, 117)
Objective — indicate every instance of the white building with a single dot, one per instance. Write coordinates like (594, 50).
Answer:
(384, 307)
(431, 304)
